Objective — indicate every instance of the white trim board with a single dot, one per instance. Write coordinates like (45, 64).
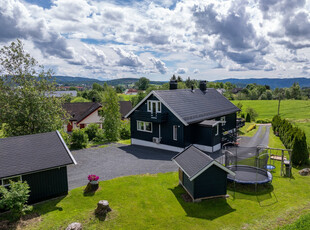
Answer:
(209, 149)
(155, 145)
(66, 147)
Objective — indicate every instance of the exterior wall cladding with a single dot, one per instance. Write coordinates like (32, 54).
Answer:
(186, 135)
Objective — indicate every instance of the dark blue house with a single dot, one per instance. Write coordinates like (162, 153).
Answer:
(176, 118)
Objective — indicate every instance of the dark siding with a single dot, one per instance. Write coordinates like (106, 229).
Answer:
(47, 184)
(166, 127)
(212, 182)
(189, 185)
(231, 121)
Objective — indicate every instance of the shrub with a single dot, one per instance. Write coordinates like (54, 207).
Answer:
(242, 115)
(125, 130)
(263, 121)
(252, 112)
(292, 138)
(248, 118)
(251, 127)
(100, 137)
(300, 153)
(66, 137)
(79, 139)
(91, 130)
(15, 198)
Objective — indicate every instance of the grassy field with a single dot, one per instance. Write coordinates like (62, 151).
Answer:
(125, 97)
(154, 202)
(297, 111)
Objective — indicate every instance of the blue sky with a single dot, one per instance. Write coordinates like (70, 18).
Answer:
(212, 39)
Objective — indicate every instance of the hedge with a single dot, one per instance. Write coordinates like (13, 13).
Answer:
(293, 138)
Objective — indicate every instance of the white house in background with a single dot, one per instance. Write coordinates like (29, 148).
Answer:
(82, 114)
(85, 113)
(131, 92)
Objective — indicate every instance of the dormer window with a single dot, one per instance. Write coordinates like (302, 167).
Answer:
(154, 106)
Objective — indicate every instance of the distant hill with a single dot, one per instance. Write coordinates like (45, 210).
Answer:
(67, 80)
(272, 82)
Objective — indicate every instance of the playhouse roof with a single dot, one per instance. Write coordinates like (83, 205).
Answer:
(194, 162)
(24, 154)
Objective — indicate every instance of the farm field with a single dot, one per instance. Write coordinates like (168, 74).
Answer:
(297, 111)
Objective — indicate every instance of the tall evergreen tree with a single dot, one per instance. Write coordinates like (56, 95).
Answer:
(26, 102)
(111, 115)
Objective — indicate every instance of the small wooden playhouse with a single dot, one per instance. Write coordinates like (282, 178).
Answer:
(200, 175)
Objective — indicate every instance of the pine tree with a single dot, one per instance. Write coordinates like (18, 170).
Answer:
(248, 118)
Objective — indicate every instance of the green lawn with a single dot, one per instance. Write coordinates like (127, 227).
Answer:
(243, 130)
(154, 202)
(297, 111)
(126, 97)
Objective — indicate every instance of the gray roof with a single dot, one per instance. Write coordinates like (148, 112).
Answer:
(78, 111)
(24, 154)
(195, 106)
(124, 107)
(192, 160)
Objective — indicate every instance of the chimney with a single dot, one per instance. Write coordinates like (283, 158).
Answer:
(173, 84)
(203, 86)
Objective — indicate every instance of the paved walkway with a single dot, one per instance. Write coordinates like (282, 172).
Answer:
(118, 160)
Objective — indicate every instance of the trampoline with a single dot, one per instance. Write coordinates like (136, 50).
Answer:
(249, 175)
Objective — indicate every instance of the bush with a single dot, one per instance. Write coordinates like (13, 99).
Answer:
(248, 118)
(251, 127)
(15, 198)
(66, 137)
(79, 139)
(100, 137)
(252, 112)
(125, 130)
(263, 121)
(91, 131)
(292, 138)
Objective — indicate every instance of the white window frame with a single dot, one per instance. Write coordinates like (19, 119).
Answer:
(223, 119)
(8, 178)
(217, 130)
(150, 106)
(175, 132)
(144, 126)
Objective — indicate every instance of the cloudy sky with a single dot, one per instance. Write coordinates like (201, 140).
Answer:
(207, 39)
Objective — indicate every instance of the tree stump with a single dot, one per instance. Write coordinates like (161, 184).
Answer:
(102, 208)
(74, 226)
(91, 188)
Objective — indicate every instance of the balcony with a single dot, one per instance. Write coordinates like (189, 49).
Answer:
(148, 116)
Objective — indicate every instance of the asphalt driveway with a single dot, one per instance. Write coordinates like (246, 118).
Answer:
(118, 160)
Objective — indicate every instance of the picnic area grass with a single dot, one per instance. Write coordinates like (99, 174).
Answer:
(297, 111)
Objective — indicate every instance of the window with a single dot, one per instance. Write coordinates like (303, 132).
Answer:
(217, 130)
(144, 126)
(175, 132)
(6, 181)
(223, 120)
(154, 106)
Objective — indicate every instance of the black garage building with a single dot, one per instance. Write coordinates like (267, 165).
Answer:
(200, 175)
(40, 159)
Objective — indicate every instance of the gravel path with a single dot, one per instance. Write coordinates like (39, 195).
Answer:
(118, 160)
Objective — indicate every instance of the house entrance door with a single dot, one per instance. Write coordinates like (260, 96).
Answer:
(69, 127)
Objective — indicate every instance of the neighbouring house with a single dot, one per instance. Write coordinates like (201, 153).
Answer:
(124, 107)
(85, 113)
(200, 175)
(40, 159)
(236, 90)
(131, 92)
(82, 114)
(176, 118)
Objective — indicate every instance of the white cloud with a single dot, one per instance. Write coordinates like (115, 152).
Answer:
(182, 70)
(250, 38)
